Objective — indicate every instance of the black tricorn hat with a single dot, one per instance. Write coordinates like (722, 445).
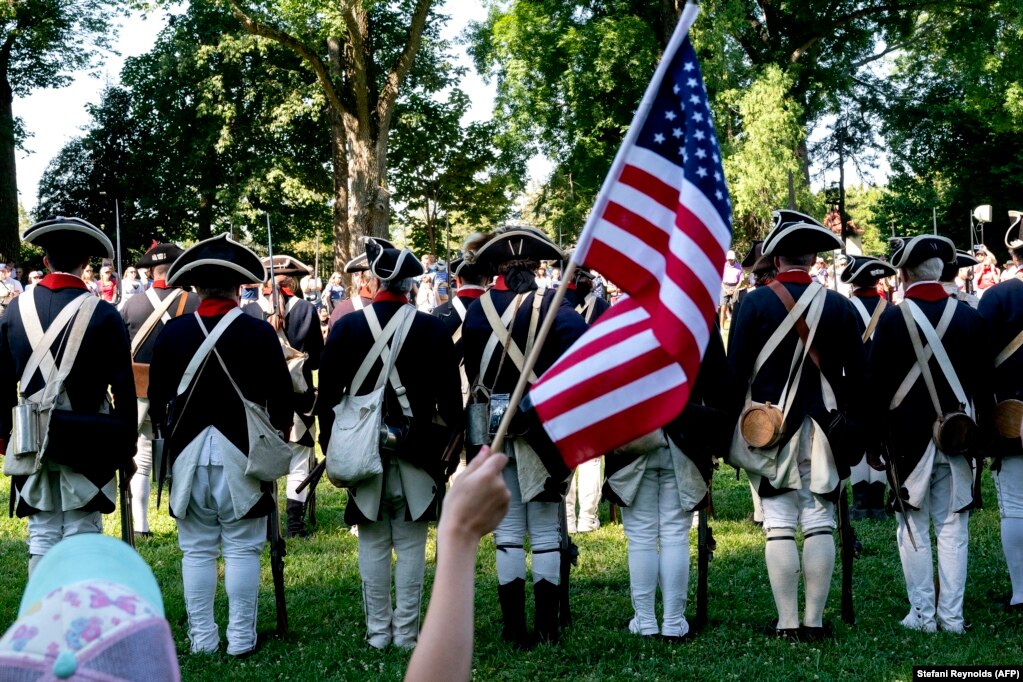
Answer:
(70, 235)
(360, 263)
(755, 260)
(517, 243)
(214, 262)
(389, 264)
(160, 254)
(465, 265)
(907, 253)
(865, 271)
(286, 265)
(797, 234)
(1014, 236)
(963, 260)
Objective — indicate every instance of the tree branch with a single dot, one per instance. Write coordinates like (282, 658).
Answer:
(400, 68)
(257, 28)
(358, 30)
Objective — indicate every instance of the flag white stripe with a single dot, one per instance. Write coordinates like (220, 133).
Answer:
(605, 406)
(700, 206)
(696, 259)
(687, 312)
(611, 357)
(640, 203)
(690, 195)
(611, 324)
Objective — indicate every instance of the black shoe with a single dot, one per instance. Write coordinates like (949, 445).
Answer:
(512, 597)
(809, 634)
(681, 639)
(772, 630)
(545, 618)
(261, 638)
(296, 520)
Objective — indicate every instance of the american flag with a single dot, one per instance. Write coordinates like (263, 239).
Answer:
(659, 229)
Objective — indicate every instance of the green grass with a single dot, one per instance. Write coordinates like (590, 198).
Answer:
(326, 639)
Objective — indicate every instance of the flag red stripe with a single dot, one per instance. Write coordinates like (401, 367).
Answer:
(605, 381)
(651, 185)
(619, 429)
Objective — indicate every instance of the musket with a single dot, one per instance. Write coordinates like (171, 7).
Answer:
(847, 539)
(893, 472)
(124, 495)
(278, 551)
(314, 476)
(705, 546)
(275, 297)
(569, 558)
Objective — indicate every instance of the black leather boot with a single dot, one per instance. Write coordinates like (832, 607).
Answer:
(296, 520)
(546, 599)
(876, 498)
(513, 612)
(860, 501)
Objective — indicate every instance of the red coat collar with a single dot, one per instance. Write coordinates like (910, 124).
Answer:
(390, 296)
(866, 293)
(59, 280)
(794, 277)
(161, 284)
(499, 284)
(213, 307)
(470, 291)
(926, 291)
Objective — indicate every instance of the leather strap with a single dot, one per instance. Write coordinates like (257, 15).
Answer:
(504, 337)
(397, 328)
(872, 324)
(1010, 349)
(42, 342)
(914, 371)
(914, 317)
(206, 346)
(159, 313)
(800, 324)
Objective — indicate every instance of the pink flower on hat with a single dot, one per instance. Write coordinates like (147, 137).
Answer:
(22, 636)
(83, 631)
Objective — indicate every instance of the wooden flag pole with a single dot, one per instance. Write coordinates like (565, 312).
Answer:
(534, 354)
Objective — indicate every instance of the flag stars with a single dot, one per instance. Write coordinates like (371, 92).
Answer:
(701, 171)
(697, 116)
(658, 138)
(690, 83)
(695, 99)
(689, 66)
(719, 194)
(699, 135)
(717, 176)
(677, 89)
(676, 133)
(684, 153)
(670, 115)
(701, 153)
(717, 159)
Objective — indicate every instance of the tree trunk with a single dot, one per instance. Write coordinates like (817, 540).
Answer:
(10, 242)
(339, 213)
(368, 203)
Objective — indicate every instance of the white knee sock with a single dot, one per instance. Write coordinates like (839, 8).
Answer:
(1012, 545)
(241, 580)
(200, 582)
(674, 570)
(643, 567)
(783, 570)
(140, 502)
(511, 564)
(818, 567)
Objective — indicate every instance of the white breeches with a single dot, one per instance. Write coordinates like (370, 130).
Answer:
(202, 534)
(952, 533)
(543, 523)
(585, 485)
(301, 456)
(657, 529)
(407, 540)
